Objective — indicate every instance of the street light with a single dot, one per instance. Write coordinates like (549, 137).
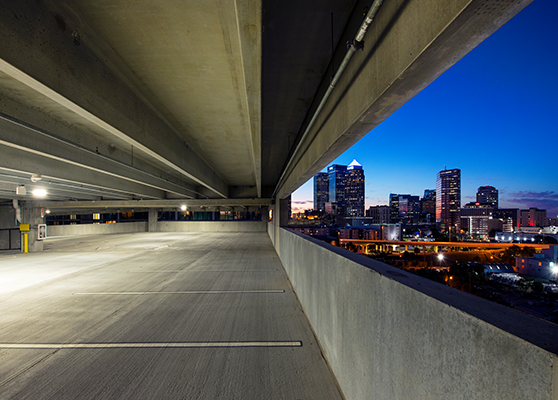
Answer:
(440, 259)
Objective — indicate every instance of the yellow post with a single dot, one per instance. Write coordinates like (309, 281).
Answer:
(26, 243)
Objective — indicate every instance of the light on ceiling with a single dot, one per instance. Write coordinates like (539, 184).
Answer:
(183, 207)
(39, 193)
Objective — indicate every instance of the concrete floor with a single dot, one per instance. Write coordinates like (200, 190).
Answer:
(155, 315)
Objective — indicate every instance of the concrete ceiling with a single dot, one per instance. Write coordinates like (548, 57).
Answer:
(189, 99)
(197, 66)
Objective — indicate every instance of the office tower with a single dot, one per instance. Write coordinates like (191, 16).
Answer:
(354, 190)
(532, 217)
(475, 216)
(346, 189)
(429, 194)
(321, 191)
(448, 200)
(428, 206)
(336, 178)
(379, 214)
(488, 195)
(404, 208)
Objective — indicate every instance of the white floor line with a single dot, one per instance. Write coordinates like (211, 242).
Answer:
(145, 345)
(181, 292)
(202, 270)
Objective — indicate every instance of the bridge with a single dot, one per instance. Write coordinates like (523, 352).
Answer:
(220, 106)
(383, 245)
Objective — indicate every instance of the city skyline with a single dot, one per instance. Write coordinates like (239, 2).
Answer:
(494, 110)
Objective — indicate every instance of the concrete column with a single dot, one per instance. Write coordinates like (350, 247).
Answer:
(36, 245)
(152, 223)
(284, 211)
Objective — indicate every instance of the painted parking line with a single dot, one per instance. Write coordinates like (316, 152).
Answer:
(202, 270)
(181, 292)
(164, 345)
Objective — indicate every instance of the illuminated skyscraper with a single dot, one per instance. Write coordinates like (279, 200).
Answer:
(354, 190)
(448, 200)
(488, 195)
(404, 208)
(346, 188)
(321, 190)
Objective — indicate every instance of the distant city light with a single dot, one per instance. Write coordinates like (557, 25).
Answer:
(39, 193)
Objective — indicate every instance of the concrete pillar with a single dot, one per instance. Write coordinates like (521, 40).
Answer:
(37, 218)
(284, 211)
(152, 220)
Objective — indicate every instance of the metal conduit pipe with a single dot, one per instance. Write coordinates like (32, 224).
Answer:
(352, 47)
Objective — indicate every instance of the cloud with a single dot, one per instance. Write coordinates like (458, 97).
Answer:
(302, 202)
(543, 200)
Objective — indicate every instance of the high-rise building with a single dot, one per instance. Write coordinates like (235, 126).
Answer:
(448, 200)
(336, 178)
(379, 214)
(475, 217)
(346, 189)
(321, 191)
(504, 214)
(429, 194)
(488, 195)
(405, 208)
(428, 206)
(532, 217)
(354, 190)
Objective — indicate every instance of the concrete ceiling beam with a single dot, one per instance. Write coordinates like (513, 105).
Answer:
(144, 204)
(22, 161)
(31, 140)
(59, 66)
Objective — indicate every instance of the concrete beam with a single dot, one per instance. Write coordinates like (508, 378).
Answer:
(145, 204)
(89, 89)
(22, 137)
(250, 38)
(23, 161)
(409, 44)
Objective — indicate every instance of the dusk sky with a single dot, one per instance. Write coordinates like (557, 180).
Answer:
(492, 115)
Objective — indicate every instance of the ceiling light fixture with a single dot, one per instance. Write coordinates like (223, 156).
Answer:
(36, 178)
(39, 193)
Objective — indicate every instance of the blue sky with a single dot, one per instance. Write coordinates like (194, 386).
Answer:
(492, 115)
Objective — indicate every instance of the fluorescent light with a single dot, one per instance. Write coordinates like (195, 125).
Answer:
(183, 207)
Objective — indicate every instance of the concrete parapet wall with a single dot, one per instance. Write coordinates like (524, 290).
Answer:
(388, 334)
(95, 229)
(211, 226)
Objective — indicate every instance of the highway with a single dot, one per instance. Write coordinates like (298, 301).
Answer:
(158, 316)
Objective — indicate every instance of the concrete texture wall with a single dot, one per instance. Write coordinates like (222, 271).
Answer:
(162, 226)
(95, 229)
(10, 237)
(388, 334)
(211, 226)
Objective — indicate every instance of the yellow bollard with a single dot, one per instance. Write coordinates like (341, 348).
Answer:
(26, 243)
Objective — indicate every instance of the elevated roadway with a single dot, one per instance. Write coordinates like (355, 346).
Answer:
(441, 245)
